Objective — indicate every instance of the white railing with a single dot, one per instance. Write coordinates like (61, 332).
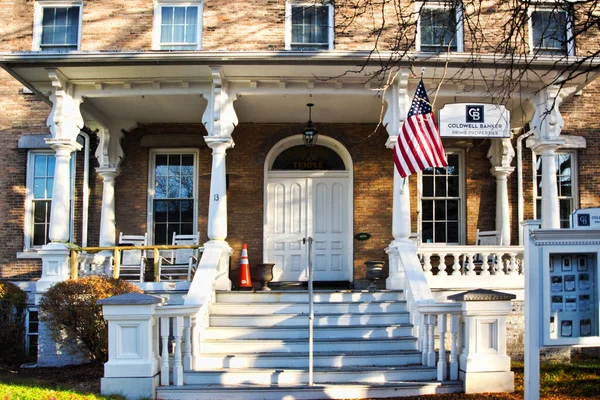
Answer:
(311, 314)
(180, 331)
(471, 260)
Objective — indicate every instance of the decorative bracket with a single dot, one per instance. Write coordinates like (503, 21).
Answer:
(547, 120)
(501, 152)
(220, 118)
(110, 152)
(397, 102)
(65, 119)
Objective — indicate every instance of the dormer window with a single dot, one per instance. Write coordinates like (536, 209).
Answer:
(309, 26)
(439, 28)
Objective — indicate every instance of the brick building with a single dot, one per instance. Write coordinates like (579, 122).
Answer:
(118, 117)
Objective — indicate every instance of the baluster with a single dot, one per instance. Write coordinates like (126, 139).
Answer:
(164, 364)
(177, 365)
(456, 265)
(196, 340)
(485, 266)
(430, 341)
(187, 343)
(424, 339)
(498, 264)
(514, 267)
(470, 265)
(454, 347)
(427, 264)
(442, 366)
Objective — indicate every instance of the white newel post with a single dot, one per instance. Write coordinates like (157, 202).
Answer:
(107, 217)
(133, 363)
(217, 208)
(501, 154)
(484, 365)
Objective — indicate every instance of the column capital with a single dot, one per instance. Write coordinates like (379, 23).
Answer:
(219, 117)
(501, 152)
(398, 101)
(108, 173)
(499, 172)
(219, 143)
(63, 146)
(65, 119)
(541, 146)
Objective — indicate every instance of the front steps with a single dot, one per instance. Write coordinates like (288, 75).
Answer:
(257, 348)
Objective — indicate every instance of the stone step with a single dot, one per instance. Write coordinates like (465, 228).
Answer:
(303, 308)
(289, 376)
(232, 346)
(304, 392)
(320, 360)
(302, 320)
(320, 296)
(301, 332)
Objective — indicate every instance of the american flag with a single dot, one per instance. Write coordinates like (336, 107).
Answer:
(419, 145)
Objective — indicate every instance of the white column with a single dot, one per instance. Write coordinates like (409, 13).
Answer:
(217, 208)
(550, 205)
(502, 208)
(107, 217)
(60, 209)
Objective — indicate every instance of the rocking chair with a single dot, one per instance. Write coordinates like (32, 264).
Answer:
(179, 264)
(133, 262)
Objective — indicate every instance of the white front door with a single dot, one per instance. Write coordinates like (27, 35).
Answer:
(314, 205)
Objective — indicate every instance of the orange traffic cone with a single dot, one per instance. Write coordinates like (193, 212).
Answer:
(245, 281)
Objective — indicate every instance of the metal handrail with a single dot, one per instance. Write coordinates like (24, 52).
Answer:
(117, 252)
(311, 313)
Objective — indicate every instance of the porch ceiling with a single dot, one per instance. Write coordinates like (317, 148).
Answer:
(272, 87)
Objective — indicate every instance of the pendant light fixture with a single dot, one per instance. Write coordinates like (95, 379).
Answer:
(310, 134)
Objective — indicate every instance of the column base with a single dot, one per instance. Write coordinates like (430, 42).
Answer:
(130, 388)
(55, 267)
(488, 382)
(222, 281)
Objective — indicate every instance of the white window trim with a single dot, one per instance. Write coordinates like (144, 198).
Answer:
(462, 193)
(574, 177)
(38, 14)
(28, 334)
(28, 228)
(550, 6)
(288, 21)
(158, 4)
(151, 169)
(440, 4)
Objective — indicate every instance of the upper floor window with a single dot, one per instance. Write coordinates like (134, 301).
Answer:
(40, 183)
(439, 27)
(309, 25)
(550, 31)
(565, 183)
(57, 26)
(177, 26)
(442, 201)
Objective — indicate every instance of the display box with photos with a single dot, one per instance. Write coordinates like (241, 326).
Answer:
(572, 299)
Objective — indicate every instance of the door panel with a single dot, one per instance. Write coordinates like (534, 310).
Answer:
(301, 207)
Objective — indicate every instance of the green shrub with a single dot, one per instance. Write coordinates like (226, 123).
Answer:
(72, 314)
(13, 306)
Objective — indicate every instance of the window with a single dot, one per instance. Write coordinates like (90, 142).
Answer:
(441, 202)
(57, 26)
(31, 325)
(439, 28)
(177, 26)
(565, 181)
(173, 200)
(40, 181)
(550, 32)
(309, 26)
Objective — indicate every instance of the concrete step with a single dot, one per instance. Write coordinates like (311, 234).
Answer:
(320, 360)
(232, 346)
(302, 320)
(320, 296)
(303, 308)
(289, 376)
(303, 392)
(301, 332)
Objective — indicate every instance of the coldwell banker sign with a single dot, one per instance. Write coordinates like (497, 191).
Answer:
(466, 120)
